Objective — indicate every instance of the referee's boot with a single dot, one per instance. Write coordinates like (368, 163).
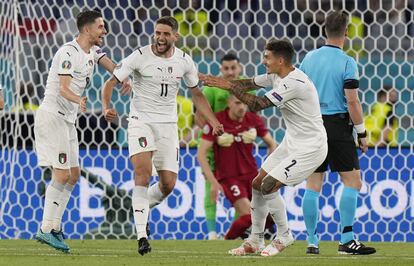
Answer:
(354, 247)
(312, 250)
(143, 246)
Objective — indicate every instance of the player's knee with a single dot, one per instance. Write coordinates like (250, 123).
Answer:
(142, 176)
(74, 175)
(61, 175)
(268, 185)
(167, 188)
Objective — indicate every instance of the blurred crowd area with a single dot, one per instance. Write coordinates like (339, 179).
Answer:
(380, 38)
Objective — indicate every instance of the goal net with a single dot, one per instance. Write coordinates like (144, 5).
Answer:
(381, 40)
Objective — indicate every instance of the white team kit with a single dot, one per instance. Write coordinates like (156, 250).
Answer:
(55, 132)
(304, 146)
(153, 112)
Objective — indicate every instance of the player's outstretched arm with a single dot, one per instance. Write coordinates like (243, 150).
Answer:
(202, 105)
(243, 84)
(110, 65)
(109, 113)
(254, 102)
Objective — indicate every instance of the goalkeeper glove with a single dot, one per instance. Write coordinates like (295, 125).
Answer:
(249, 136)
(225, 140)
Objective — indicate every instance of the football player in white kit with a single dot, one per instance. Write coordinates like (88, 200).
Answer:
(157, 71)
(302, 150)
(55, 133)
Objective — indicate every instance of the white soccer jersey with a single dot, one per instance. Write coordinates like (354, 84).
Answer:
(156, 81)
(69, 60)
(297, 98)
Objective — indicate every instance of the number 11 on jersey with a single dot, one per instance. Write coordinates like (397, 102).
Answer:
(164, 89)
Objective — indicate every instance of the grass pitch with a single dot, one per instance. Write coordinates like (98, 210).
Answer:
(173, 252)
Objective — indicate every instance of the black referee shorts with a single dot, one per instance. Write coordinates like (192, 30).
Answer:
(342, 151)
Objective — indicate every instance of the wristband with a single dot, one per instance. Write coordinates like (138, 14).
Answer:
(360, 128)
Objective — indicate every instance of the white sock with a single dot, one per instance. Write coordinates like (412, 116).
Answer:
(155, 196)
(277, 209)
(140, 206)
(259, 214)
(52, 203)
(64, 199)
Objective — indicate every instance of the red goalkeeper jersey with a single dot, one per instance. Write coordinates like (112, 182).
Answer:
(236, 161)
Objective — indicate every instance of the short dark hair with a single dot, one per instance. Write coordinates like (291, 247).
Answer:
(281, 48)
(229, 57)
(336, 23)
(87, 17)
(169, 21)
(383, 92)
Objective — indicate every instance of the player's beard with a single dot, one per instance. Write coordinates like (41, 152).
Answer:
(166, 47)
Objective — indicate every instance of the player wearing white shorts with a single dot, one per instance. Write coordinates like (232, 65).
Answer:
(55, 133)
(157, 71)
(302, 150)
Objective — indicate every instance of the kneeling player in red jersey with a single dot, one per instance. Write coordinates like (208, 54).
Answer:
(235, 164)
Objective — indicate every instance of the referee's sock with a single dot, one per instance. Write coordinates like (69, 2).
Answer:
(310, 207)
(347, 209)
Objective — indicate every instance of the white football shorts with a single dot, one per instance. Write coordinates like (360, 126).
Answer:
(160, 138)
(56, 141)
(292, 166)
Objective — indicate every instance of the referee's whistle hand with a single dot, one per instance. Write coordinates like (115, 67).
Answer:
(363, 144)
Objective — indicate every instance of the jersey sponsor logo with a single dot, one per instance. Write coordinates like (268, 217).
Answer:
(66, 64)
(62, 158)
(141, 211)
(277, 96)
(143, 142)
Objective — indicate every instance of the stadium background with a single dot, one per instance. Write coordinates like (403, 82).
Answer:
(381, 38)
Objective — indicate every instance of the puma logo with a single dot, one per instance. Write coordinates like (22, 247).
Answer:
(141, 211)
(160, 69)
(57, 204)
